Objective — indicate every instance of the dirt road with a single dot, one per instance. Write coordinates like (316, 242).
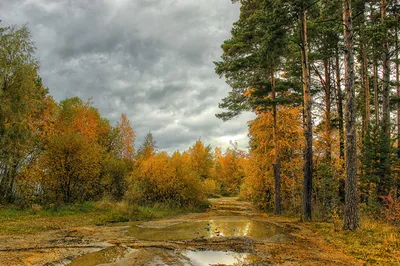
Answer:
(230, 233)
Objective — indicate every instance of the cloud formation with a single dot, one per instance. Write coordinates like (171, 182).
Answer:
(149, 59)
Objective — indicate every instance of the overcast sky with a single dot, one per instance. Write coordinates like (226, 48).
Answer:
(150, 59)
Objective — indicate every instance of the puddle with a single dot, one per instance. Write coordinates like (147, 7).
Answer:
(119, 256)
(204, 229)
(211, 257)
(104, 256)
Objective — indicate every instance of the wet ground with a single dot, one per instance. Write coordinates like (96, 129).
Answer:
(230, 233)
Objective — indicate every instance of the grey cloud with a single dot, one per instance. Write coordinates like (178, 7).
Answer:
(149, 59)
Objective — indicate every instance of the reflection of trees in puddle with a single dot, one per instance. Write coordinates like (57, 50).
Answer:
(229, 228)
(208, 229)
(245, 227)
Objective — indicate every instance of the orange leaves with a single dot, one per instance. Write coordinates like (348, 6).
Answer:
(230, 170)
(259, 172)
(249, 92)
(289, 130)
(161, 178)
(78, 153)
(86, 122)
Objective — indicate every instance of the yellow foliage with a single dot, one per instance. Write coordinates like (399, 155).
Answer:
(69, 169)
(160, 178)
(229, 170)
(210, 188)
(259, 181)
(201, 160)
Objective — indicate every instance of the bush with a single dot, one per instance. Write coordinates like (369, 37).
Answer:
(163, 179)
(391, 212)
(211, 188)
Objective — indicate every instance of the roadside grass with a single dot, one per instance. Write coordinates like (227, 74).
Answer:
(375, 242)
(14, 220)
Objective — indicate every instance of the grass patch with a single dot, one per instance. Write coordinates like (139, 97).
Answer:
(34, 220)
(375, 242)
(159, 211)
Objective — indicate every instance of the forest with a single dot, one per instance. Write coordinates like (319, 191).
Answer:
(322, 78)
(325, 140)
(334, 66)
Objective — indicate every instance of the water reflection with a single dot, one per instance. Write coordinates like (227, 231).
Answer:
(103, 256)
(211, 257)
(205, 229)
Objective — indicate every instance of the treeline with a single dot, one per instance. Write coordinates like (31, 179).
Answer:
(62, 153)
(335, 64)
(52, 153)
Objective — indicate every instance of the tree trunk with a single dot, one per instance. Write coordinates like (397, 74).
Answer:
(366, 93)
(397, 89)
(350, 221)
(385, 181)
(340, 107)
(276, 163)
(386, 75)
(365, 90)
(328, 110)
(307, 185)
(376, 90)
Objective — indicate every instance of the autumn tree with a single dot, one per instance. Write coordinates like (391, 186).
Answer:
(69, 168)
(230, 170)
(251, 59)
(351, 199)
(259, 178)
(127, 138)
(148, 147)
(201, 160)
(160, 179)
(73, 166)
(22, 101)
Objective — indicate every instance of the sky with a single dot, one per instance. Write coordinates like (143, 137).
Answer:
(150, 59)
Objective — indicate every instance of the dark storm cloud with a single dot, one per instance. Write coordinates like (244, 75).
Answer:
(149, 59)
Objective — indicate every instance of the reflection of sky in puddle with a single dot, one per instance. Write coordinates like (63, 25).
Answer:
(205, 229)
(211, 257)
(118, 256)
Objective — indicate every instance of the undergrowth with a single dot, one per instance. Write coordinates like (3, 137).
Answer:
(375, 242)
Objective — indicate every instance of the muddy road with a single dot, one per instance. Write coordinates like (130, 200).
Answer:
(230, 233)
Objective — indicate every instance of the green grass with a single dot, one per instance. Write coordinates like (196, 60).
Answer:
(33, 220)
(162, 211)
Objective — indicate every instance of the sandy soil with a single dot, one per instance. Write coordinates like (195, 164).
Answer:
(231, 233)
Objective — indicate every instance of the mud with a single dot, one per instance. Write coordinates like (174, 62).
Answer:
(230, 233)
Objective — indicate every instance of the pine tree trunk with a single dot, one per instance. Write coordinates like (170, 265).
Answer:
(340, 107)
(397, 89)
(350, 221)
(276, 163)
(376, 90)
(385, 175)
(307, 185)
(386, 75)
(367, 94)
(328, 110)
